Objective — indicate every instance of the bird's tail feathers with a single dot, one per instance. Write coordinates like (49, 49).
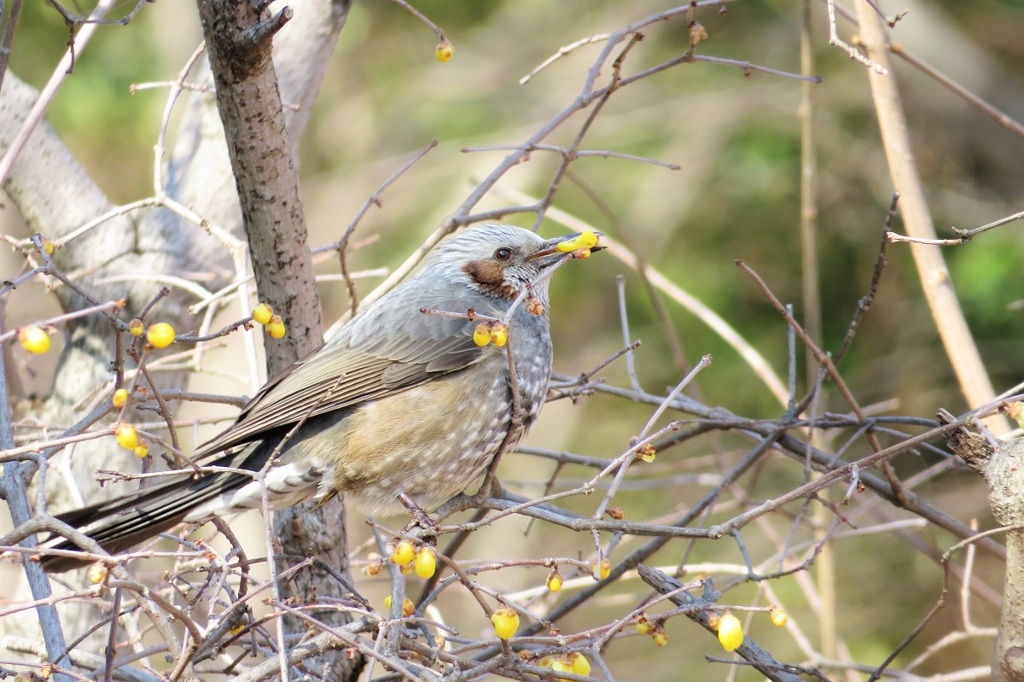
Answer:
(127, 520)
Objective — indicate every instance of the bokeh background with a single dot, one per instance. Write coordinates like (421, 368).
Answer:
(735, 136)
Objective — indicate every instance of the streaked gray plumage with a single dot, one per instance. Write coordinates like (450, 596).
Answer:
(399, 401)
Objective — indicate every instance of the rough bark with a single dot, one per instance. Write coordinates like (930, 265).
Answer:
(1001, 463)
(1005, 477)
(238, 43)
(238, 38)
(56, 196)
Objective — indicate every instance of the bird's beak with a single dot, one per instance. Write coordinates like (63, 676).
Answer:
(565, 244)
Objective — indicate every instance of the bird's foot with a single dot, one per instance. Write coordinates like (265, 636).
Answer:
(420, 520)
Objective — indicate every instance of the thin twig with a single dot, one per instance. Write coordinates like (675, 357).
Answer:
(372, 200)
(49, 91)
(865, 301)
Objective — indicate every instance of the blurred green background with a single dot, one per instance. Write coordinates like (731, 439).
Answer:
(736, 137)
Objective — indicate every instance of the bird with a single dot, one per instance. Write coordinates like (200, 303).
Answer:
(409, 398)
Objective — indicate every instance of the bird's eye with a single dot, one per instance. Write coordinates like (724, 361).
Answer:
(503, 254)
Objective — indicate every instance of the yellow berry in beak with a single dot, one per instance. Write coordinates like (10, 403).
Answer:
(584, 240)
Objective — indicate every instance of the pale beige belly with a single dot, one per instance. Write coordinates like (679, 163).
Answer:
(430, 442)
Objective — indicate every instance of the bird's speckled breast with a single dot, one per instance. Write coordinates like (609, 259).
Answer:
(403, 445)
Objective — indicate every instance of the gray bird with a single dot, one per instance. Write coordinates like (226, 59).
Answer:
(399, 401)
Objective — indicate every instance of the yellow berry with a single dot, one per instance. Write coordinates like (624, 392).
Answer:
(374, 567)
(444, 51)
(160, 335)
(499, 335)
(34, 339)
(602, 571)
(404, 553)
(660, 638)
(136, 327)
(505, 621)
(779, 616)
(120, 398)
(580, 664)
(644, 627)
(584, 240)
(426, 562)
(554, 581)
(97, 573)
(127, 437)
(1016, 413)
(482, 335)
(48, 246)
(262, 313)
(697, 33)
(730, 632)
(276, 327)
(560, 665)
(713, 620)
(141, 450)
(647, 453)
(408, 608)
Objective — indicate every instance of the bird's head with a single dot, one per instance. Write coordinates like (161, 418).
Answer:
(500, 260)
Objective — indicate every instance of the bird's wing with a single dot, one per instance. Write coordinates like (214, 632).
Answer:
(374, 359)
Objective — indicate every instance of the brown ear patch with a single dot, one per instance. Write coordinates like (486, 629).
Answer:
(490, 277)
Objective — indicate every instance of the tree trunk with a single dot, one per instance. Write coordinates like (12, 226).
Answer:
(56, 196)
